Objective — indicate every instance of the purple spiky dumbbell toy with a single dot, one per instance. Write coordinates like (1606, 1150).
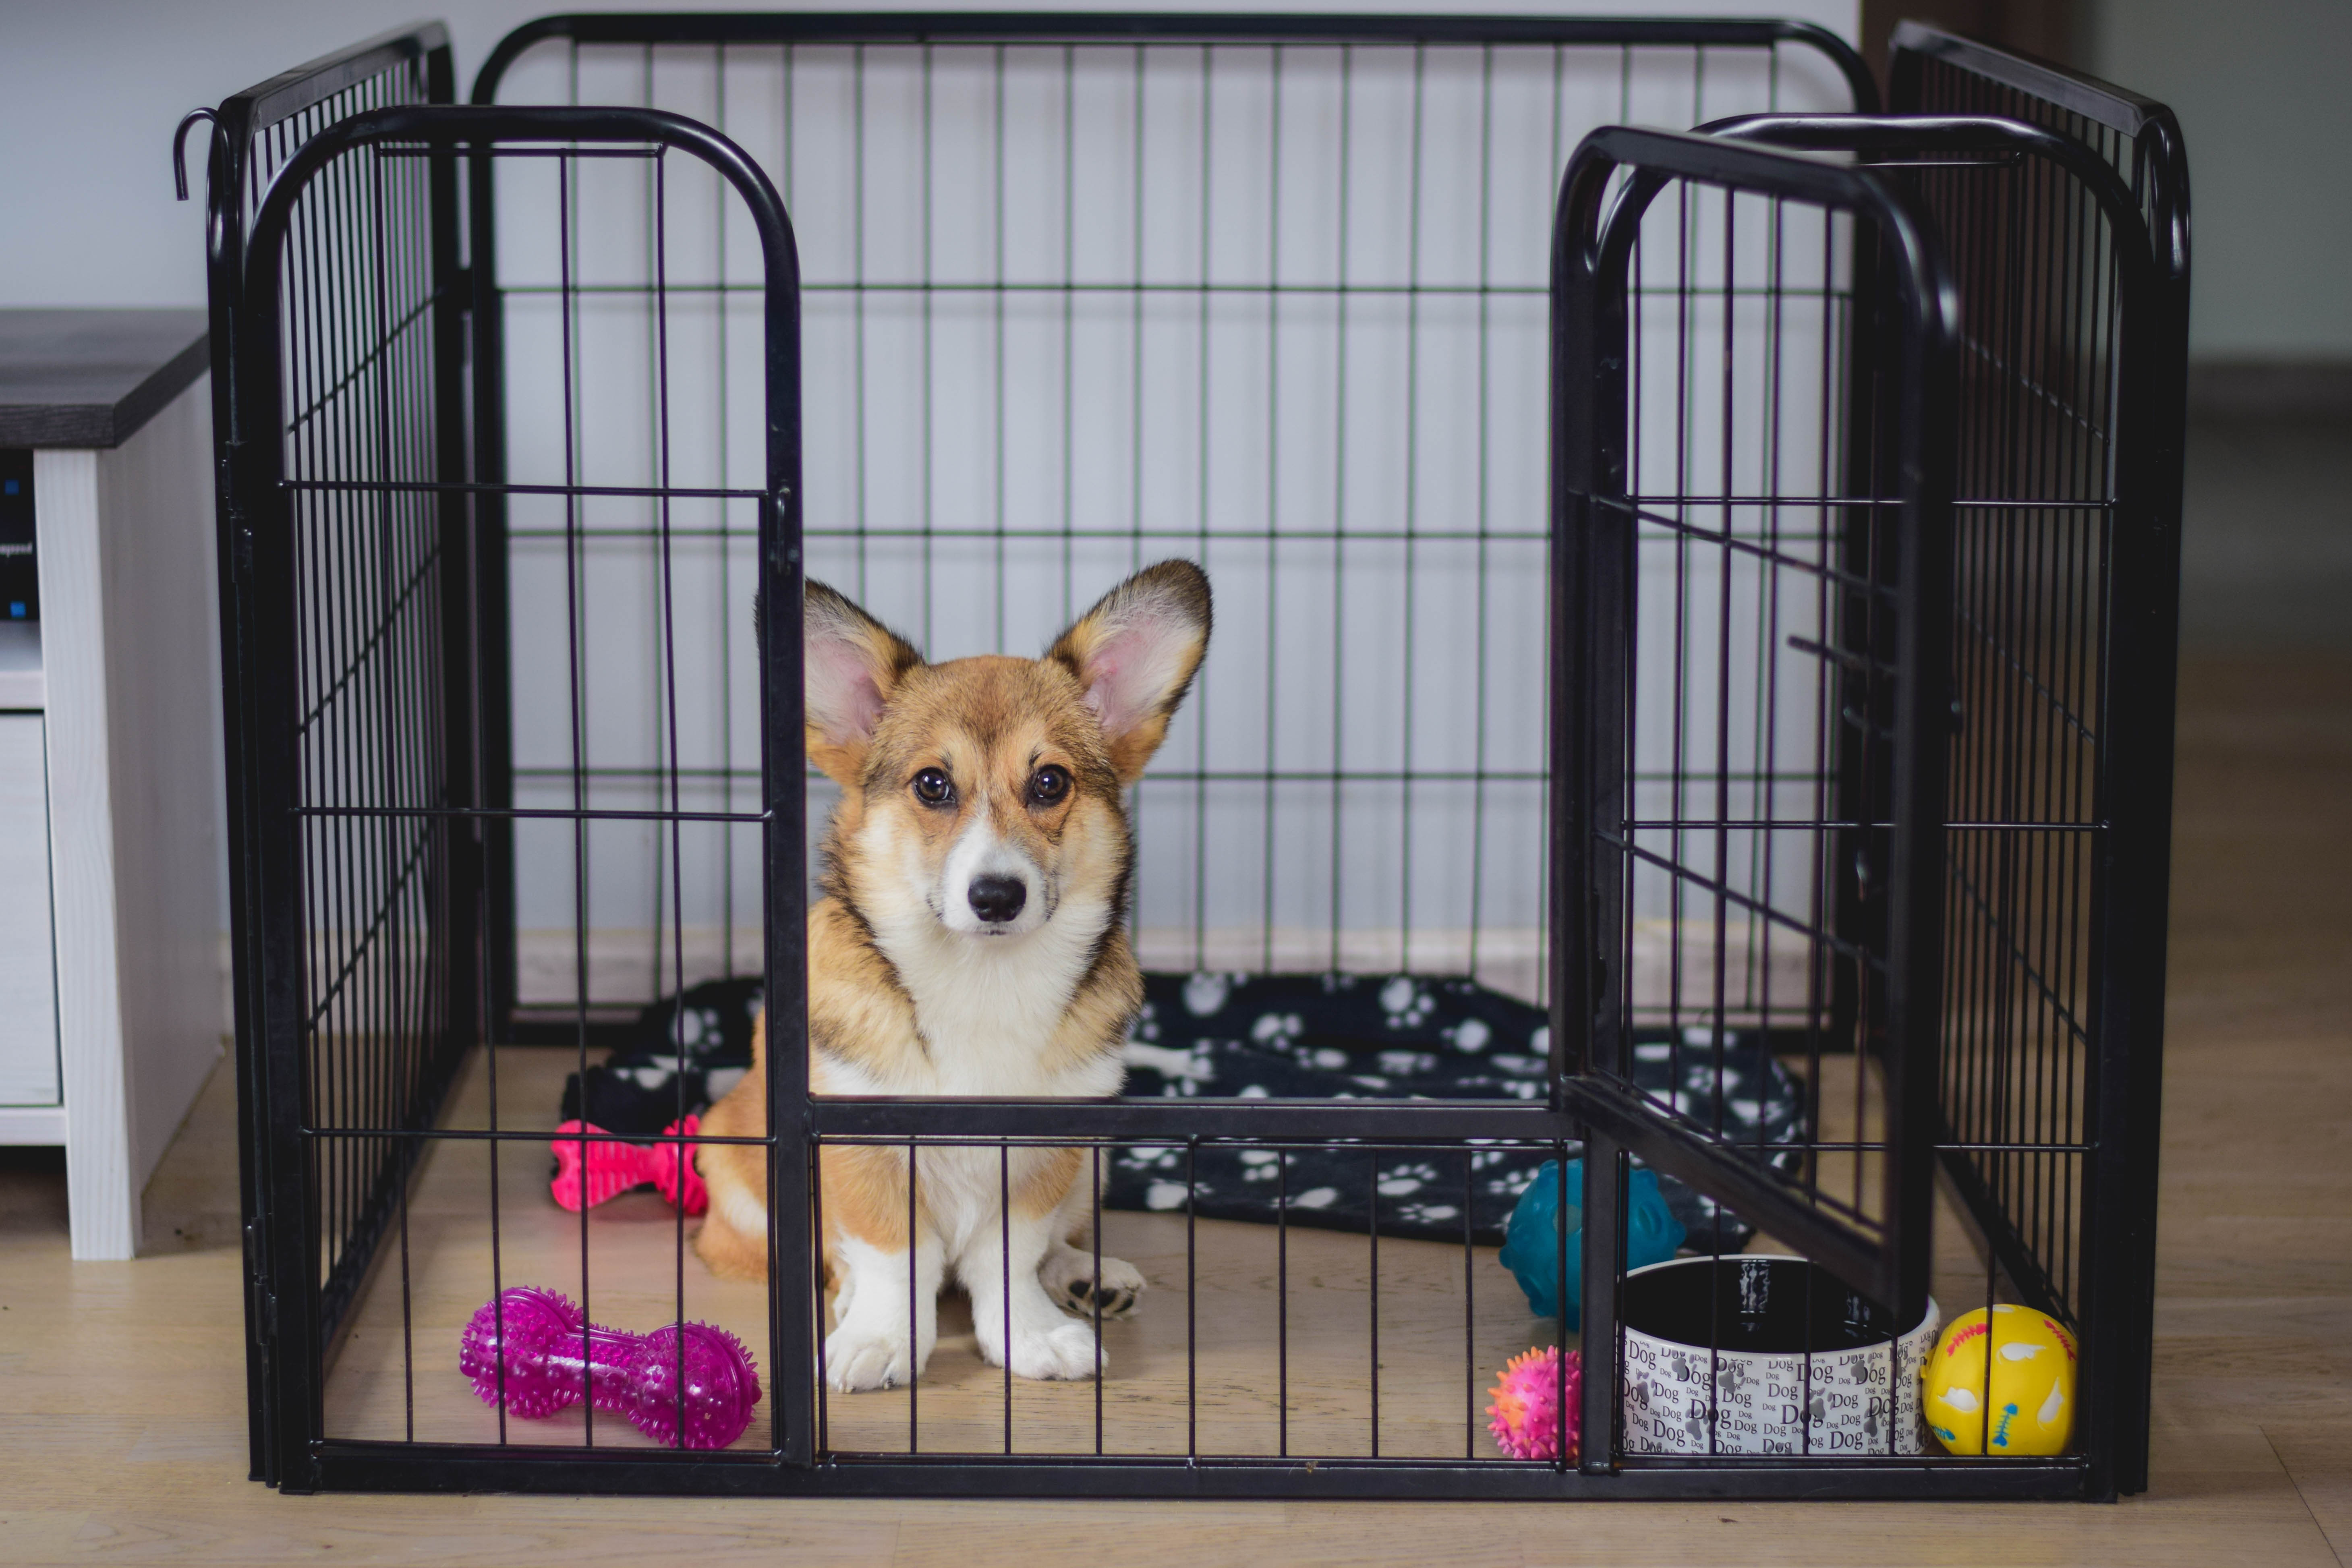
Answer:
(555, 1358)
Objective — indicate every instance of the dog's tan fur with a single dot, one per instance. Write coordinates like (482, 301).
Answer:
(903, 1002)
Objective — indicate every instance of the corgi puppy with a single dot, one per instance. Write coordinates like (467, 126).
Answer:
(970, 942)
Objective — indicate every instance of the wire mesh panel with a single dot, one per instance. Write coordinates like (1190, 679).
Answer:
(354, 562)
(2071, 257)
(1268, 293)
(1754, 393)
(406, 1065)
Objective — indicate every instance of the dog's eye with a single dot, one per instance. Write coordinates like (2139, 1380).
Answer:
(932, 788)
(1049, 786)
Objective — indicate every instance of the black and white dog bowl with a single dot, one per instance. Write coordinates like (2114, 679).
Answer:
(1801, 1364)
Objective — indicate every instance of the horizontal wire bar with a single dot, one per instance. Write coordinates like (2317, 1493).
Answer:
(1120, 535)
(553, 813)
(1162, 776)
(1129, 288)
(1774, 824)
(508, 150)
(456, 487)
(1807, 503)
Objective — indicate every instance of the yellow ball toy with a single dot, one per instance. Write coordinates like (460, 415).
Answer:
(2031, 1388)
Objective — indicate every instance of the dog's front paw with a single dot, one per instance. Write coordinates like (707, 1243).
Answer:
(857, 1359)
(1068, 1276)
(1069, 1352)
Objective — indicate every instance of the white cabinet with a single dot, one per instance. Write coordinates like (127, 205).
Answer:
(112, 881)
(29, 1075)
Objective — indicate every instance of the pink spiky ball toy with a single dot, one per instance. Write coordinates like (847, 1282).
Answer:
(1527, 1404)
(536, 1351)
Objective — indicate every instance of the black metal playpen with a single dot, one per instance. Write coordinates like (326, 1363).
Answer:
(1708, 595)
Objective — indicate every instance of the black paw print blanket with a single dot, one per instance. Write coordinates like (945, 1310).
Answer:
(1281, 1036)
(1400, 1036)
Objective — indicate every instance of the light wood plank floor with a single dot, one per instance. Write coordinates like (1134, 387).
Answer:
(122, 1433)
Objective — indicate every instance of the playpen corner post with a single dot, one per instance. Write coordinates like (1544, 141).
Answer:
(224, 246)
(261, 547)
(1926, 463)
(492, 744)
(467, 1014)
(795, 1282)
(2132, 874)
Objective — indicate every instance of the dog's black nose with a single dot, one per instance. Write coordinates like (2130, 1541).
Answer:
(998, 898)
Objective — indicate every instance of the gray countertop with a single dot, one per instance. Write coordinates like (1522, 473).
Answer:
(92, 378)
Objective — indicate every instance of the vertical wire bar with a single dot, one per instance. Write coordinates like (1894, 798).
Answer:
(1002, 395)
(1544, 828)
(1192, 1299)
(1339, 506)
(485, 170)
(1004, 1262)
(1469, 1318)
(817, 1280)
(1724, 576)
(1412, 523)
(930, 385)
(1273, 503)
(1281, 1301)
(1485, 460)
(653, 415)
(1095, 1300)
(724, 618)
(1201, 480)
(858, 303)
(669, 670)
(1685, 307)
(1820, 891)
(576, 567)
(1372, 1293)
(914, 1308)
(1559, 1294)
(1069, 374)
(1135, 347)
(1134, 432)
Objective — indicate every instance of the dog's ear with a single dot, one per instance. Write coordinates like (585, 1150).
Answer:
(852, 663)
(1135, 653)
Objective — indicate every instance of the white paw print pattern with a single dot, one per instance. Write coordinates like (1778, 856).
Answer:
(1407, 1003)
(1470, 1035)
(1428, 1213)
(1403, 1181)
(1260, 1164)
(1205, 992)
(1276, 1030)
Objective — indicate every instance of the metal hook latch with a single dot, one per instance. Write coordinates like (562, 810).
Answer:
(178, 145)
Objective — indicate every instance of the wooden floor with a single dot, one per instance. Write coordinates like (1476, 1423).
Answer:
(121, 1423)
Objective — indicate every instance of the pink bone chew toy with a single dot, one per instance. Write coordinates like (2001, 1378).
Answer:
(1528, 1401)
(554, 1358)
(606, 1170)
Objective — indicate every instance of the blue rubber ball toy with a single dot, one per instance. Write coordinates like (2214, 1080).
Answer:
(1532, 1244)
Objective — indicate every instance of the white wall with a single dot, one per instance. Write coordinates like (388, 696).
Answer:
(91, 91)
(2267, 115)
